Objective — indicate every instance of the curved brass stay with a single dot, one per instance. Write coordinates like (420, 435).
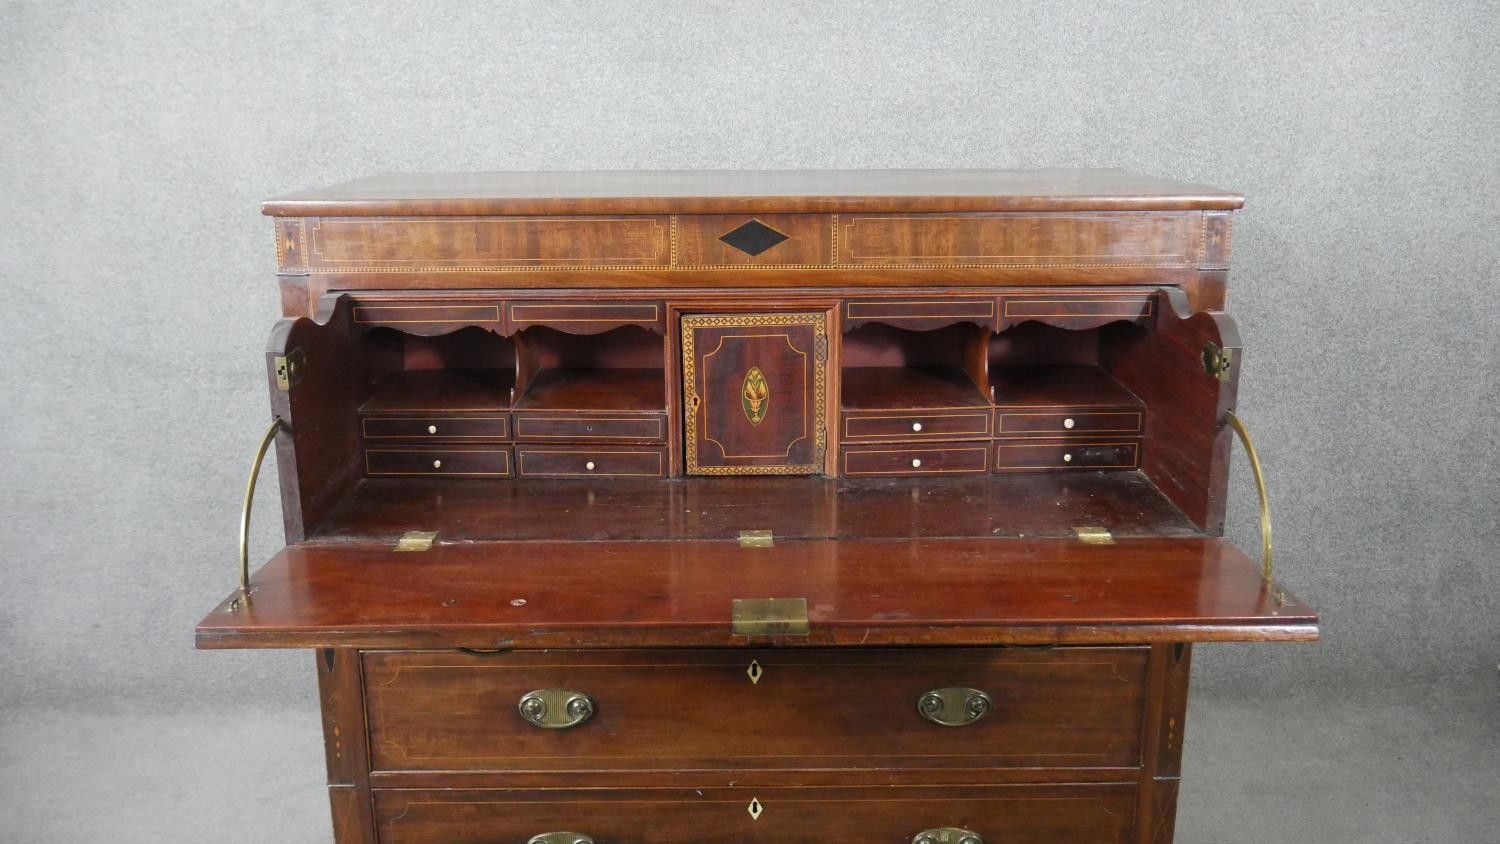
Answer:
(1266, 567)
(260, 458)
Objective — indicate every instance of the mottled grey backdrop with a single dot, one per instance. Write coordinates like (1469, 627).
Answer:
(136, 140)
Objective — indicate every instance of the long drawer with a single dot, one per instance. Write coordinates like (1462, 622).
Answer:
(756, 708)
(1018, 814)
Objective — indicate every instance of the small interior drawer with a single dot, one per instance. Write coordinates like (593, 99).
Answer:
(1020, 455)
(886, 426)
(586, 317)
(436, 428)
(439, 462)
(590, 427)
(919, 314)
(543, 461)
(913, 459)
(1077, 308)
(1065, 423)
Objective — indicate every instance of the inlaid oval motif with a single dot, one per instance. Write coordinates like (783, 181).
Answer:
(755, 395)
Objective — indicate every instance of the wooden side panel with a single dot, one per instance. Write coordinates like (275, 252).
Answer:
(318, 452)
(1085, 814)
(344, 745)
(1166, 710)
(756, 392)
(1186, 450)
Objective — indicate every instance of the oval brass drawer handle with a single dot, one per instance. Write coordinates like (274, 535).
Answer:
(948, 835)
(555, 709)
(560, 838)
(955, 706)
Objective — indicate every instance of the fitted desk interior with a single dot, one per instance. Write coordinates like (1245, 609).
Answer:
(784, 506)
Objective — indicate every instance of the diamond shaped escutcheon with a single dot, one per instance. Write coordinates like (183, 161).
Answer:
(754, 672)
(755, 809)
(753, 238)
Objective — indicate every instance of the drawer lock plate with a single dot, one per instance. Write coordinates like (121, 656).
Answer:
(770, 617)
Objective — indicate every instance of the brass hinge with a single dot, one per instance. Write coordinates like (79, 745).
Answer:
(1217, 361)
(769, 617)
(757, 539)
(416, 540)
(1094, 535)
(289, 369)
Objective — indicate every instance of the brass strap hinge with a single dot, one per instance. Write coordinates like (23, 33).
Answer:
(1217, 361)
(416, 540)
(769, 617)
(1094, 535)
(289, 369)
(757, 539)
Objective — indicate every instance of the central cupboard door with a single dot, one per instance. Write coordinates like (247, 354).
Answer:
(754, 388)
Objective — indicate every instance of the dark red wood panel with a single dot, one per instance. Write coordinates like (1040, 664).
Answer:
(565, 594)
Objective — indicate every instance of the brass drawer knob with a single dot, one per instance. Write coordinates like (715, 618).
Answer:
(948, 835)
(560, 838)
(555, 709)
(955, 706)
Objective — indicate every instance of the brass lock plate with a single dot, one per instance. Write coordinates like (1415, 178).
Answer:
(769, 617)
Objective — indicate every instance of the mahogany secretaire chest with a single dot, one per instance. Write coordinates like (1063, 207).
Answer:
(754, 506)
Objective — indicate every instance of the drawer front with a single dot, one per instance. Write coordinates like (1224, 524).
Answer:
(585, 317)
(919, 314)
(1077, 309)
(436, 428)
(908, 459)
(439, 462)
(885, 426)
(755, 708)
(1063, 423)
(582, 427)
(428, 317)
(1020, 814)
(738, 240)
(1067, 454)
(561, 462)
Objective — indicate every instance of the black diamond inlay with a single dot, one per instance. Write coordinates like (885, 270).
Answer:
(753, 237)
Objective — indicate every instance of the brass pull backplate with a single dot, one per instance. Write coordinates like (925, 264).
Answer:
(955, 706)
(555, 709)
(948, 835)
(560, 838)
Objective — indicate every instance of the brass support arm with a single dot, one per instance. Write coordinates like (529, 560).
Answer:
(1266, 568)
(260, 458)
